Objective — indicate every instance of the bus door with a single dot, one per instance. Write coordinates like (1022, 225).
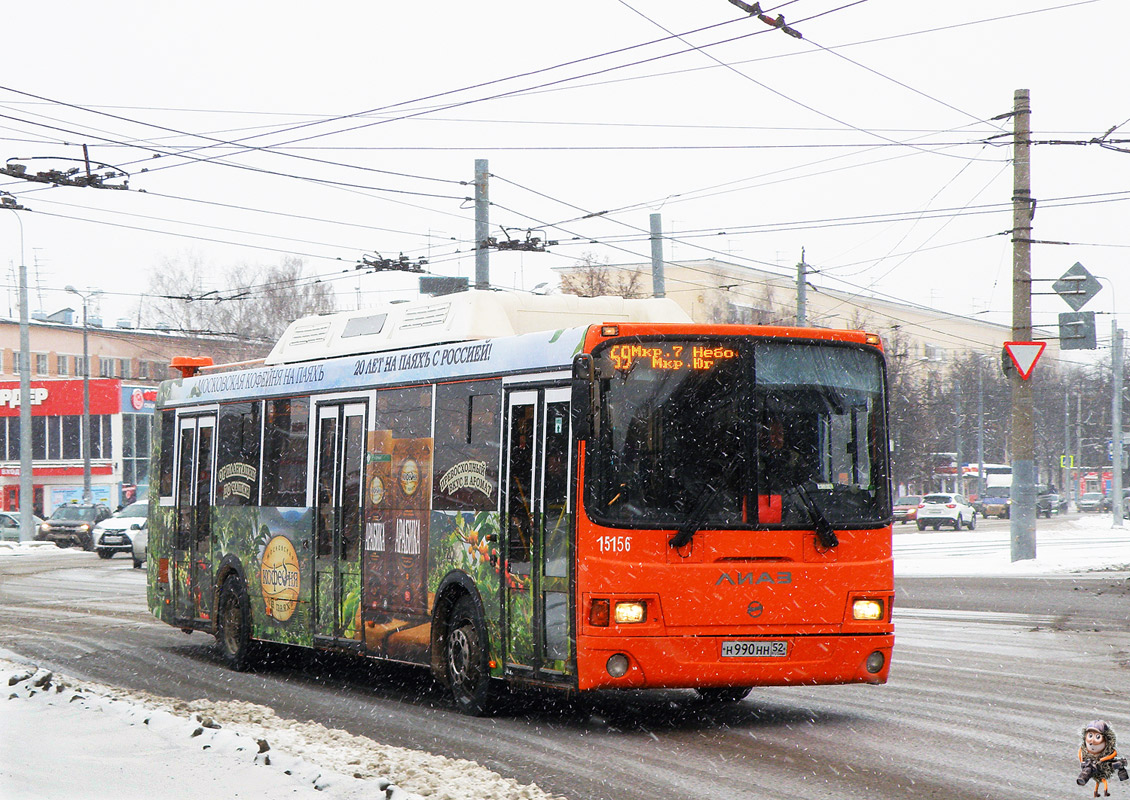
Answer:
(192, 543)
(537, 534)
(337, 521)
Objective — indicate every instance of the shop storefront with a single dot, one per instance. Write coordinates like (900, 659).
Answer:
(120, 423)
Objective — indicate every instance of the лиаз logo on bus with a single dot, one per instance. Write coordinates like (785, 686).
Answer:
(280, 578)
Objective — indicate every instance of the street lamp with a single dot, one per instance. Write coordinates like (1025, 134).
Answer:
(86, 494)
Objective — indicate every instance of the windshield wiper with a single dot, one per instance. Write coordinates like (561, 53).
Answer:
(689, 528)
(825, 533)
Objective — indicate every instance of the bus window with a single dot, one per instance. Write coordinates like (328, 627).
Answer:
(351, 488)
(237, 467)
(718, 436)
(168, 443)
(285, 452)
(466, 446)
(555, 486)
(520, 496)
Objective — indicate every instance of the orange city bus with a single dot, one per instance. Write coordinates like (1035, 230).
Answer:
(629, 504)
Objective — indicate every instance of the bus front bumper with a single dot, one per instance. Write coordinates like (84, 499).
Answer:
(689, 662)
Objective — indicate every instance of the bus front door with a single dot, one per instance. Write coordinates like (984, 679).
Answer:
(337, 522)
(192, 545)
(539, 637)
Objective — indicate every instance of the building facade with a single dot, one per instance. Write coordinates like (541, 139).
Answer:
(125, 367)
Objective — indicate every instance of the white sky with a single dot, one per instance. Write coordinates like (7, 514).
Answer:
(101, 739)
(790, 131)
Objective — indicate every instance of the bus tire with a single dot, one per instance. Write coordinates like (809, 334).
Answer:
(233, 625)
(723, 695)
(466, 659)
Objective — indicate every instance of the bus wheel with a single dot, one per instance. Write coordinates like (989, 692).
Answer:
(466, 657)
(233, 630)
(719, 695)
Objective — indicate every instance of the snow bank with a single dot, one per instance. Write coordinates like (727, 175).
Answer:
(65, 738)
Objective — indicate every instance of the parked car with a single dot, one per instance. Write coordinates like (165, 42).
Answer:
(115, 535)
(1090, 501)
(10, 525)
(999, 506)
(140, 547)
(1048, 504)
(906, 508)
(73, 524)
(946, 509)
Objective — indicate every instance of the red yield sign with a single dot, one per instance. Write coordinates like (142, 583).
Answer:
(1024, 355)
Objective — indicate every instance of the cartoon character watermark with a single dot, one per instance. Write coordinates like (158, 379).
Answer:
(1098, 758)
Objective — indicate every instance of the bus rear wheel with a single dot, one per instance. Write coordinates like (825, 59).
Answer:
(467, 659)
(233, 629)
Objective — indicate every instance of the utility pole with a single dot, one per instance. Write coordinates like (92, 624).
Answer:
(801, 292)
(1078, 445)
(1023, 516)
(959, 481)
(482, 224)
(980, 431)
(658, 287)
(1116, 425)
(1064, 470)
(23, 361)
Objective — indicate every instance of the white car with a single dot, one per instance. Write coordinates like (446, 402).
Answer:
(936, 510)
(115, 535)
(140, 547)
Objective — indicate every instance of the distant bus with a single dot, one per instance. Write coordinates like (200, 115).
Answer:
(616, 505)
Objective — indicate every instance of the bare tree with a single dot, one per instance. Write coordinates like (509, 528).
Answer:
(252, 303)
(590, 277)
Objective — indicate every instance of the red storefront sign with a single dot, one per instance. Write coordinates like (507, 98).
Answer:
(61, 398)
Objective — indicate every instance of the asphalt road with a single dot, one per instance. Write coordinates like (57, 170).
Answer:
(990, 684)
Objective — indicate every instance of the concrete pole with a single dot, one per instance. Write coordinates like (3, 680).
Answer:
(27, 496)
(1116, 426)
(482, 224)
(658, 287)
(1023, 518)
(1078, 446)
(980, 431)
(801, 292)
(1063, 470)
(86, 494)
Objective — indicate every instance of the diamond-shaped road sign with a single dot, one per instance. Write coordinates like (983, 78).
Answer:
(1024, 356)
(1077, 286)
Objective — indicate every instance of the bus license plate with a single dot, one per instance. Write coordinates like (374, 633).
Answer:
(758, 649)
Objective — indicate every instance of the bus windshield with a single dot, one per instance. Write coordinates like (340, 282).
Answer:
(734, 432)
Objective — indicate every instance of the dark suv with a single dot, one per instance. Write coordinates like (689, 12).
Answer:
(73, 524)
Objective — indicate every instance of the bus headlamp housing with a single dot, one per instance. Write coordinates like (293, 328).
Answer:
(864, 609)
(630, 612)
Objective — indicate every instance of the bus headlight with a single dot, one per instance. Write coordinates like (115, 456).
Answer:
(874, 662)
(867, 609)
(630, 612)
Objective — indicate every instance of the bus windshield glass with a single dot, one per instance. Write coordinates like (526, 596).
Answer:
(732, 432)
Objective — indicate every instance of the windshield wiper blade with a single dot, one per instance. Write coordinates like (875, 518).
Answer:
(825, 533)
(689, 528)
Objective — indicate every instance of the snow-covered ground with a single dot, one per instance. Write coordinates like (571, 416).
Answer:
(63, 738)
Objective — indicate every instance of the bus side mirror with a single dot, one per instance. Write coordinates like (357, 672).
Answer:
(583, 405)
